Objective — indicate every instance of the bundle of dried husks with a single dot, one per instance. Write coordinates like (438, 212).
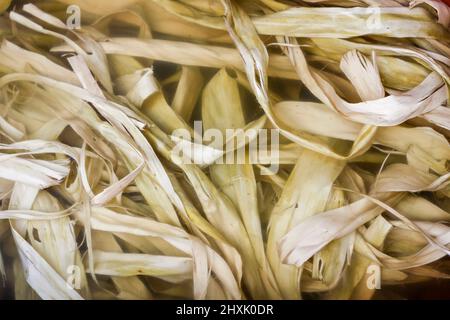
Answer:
(206, 149)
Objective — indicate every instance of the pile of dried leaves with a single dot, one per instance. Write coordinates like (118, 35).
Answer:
(94, 204)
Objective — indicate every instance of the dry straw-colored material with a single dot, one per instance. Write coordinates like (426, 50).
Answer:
(95, 204)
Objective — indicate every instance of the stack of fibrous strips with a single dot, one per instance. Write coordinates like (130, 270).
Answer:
(113, 187)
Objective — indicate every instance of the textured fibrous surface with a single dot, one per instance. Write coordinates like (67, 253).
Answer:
(115, 115)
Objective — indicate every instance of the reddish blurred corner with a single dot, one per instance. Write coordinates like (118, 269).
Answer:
(446, 1)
